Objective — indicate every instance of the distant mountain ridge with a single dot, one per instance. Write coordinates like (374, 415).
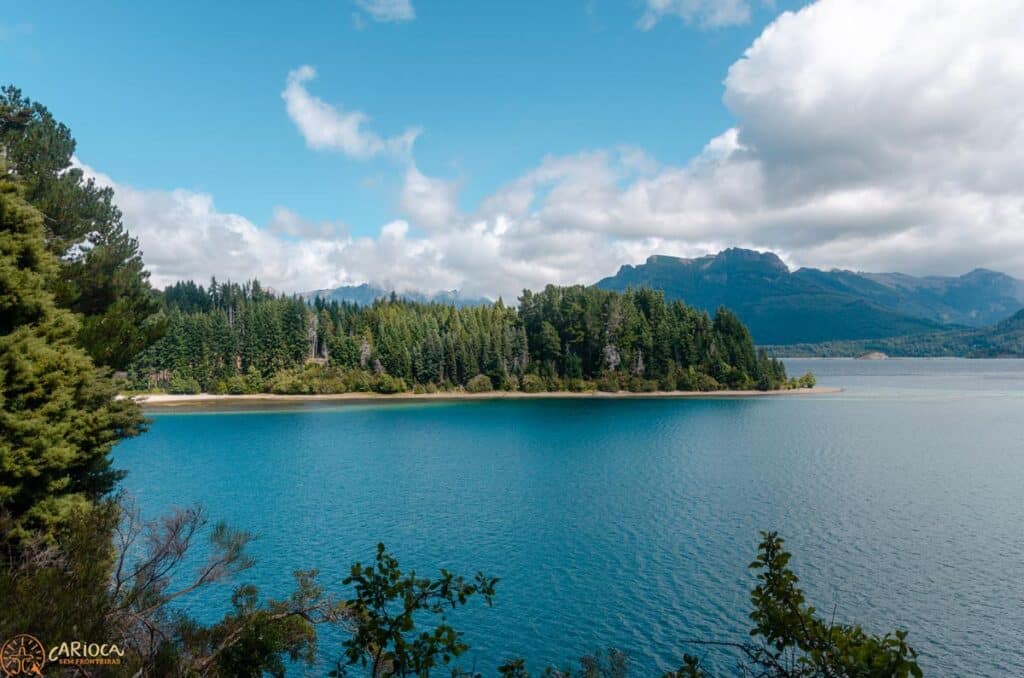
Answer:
(811, 305)
(365, 294)
(1004, 339)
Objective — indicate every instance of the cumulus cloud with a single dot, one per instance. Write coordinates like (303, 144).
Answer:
(388, 10)
(184, 236)
(430, 202)
(290, 223)
(869, 135)
(703, 13)
(328, 127)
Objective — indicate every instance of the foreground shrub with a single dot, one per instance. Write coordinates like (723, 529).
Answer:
(183, 385)
(705, 382)
(387, 606)
(385, 383)
(638, 385)
(237, 385)
(609, 382)
(481, 383)
(577, 385)
(788, 639)
(791, 641)
(687, 380)
(532, 383)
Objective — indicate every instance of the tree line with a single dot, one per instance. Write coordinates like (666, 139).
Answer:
(241, 338)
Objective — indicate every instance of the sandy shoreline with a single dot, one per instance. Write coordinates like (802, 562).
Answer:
(162, 400)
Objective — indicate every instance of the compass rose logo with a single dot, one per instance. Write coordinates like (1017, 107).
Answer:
(22, 655)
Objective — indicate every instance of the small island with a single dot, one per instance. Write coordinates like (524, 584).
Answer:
(873, 355)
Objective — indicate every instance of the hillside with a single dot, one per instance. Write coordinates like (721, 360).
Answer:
(976, 299)
(1005, 339)
(778, 306)
(812, 306)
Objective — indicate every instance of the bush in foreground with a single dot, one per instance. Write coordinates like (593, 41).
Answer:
(481, 383)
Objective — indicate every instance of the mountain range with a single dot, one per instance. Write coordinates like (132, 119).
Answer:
(1004, 339)
(365, 295)
(810, 305)
(804, 306)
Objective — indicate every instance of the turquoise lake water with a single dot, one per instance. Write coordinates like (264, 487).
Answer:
(629, 523)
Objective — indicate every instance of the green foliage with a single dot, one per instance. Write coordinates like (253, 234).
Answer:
(386, 608)
(102, 275)
(256, 637)
(610, 382)
(56, 584)
(638, 385)
(532, 383)
(790, 640)
(83, 584)
(317, 379)
(705, 382)
(58, 416)
(807, 381)
(481, 383)
(562, 338)
(793, 642)
(385, 383)
(183, 385)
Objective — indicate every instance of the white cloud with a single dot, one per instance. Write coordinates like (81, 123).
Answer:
(869, 135)
(327, 127)
(703, 13)
(183, 236)
(428, 201)
(290, 223)
(388, 10)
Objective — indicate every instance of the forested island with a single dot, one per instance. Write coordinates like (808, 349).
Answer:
(240, 338)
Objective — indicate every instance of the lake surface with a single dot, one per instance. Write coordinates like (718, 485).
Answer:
(629, 523)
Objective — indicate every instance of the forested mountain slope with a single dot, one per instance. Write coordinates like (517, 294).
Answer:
(1005, 339)
(811, 305)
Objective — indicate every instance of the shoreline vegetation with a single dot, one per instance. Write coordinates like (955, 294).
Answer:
(232, 339)
(161, 400)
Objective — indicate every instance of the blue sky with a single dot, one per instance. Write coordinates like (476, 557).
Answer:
(185, 99)
(188, 94)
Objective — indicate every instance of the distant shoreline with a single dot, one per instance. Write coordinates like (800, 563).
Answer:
(167, 400)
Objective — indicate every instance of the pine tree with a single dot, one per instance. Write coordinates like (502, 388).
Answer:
(103, 277)
(58, 416)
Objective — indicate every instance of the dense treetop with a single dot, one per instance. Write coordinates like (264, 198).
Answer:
(240, 338)
(101, 274)
(58, 416)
